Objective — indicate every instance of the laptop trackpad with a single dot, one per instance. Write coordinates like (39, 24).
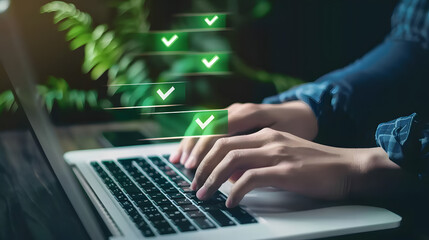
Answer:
(267, 200)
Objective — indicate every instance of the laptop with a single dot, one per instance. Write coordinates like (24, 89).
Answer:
(138, 194)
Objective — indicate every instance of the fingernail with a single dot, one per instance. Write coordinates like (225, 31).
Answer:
(190, 163)
(183, 158)
(201, 194)
(173, 157)
(193, 186)
(228, 203)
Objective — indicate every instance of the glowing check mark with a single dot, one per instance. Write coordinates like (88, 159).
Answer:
(165, 95)
(211, 63)
(210, 22)
(207, 122)
(168, 43)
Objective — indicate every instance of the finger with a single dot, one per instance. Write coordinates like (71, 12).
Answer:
(235, 160)
(200, 150)
(236, 175)
(203, 145)
(175, 156)
(187, 146)
(251, 179)
(238, 121)
(219, 151)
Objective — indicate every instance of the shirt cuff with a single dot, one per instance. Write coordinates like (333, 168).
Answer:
(405, 140)
(328, 101)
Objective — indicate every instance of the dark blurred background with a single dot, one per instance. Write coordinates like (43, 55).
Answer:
(303, 39)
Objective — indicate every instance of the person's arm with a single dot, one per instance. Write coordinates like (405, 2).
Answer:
(271, 158)
(388, 82)
(278, 159)
(348, 104)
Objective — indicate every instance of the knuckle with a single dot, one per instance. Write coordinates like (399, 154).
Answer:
(275, 135)
(250, 108)
(221, 143)
(270, 134)
(201, 169)
(250, 176)
(211, 180)
(281, 150)
(287, 135)
(189, 144)
(248, 105)
(265, 130)
(286, 169)
(292, 167)
(232, 156)
(234, 105)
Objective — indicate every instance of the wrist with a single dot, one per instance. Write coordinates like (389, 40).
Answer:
(378, 176)
(301, 119)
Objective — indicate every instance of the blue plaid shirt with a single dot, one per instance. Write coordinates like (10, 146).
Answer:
(389, 82)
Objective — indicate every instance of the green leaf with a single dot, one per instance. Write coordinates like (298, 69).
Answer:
(59, 16)
(91, 98)
(135, 69)
(76, 31)
(125, 97)
(66, 24)
(99, 31)
(138, 93)
(49, 101)
(80, 41)
(99, 70)
(106, 39)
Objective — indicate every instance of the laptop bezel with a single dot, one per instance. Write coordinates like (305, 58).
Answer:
(15, 68)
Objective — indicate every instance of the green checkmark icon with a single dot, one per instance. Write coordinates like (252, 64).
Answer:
(213, 20)
(211, 63)
(168, 43)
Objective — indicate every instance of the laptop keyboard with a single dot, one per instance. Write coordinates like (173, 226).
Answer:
(159, 200)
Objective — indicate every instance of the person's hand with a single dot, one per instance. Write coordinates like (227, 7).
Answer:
(271, 158)
(294, 117)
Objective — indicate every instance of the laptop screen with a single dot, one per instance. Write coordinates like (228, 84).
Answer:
(33, 204)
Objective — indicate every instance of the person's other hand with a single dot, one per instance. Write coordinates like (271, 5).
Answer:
(294, 117)
(271, 158)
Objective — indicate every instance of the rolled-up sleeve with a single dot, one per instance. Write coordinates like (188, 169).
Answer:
(406, 141)
(326, 100)
(349, 103)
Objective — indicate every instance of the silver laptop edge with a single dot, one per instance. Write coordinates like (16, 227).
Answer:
(16, 63)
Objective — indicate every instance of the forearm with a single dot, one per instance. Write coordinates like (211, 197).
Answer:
(297, 118)
(350, 102)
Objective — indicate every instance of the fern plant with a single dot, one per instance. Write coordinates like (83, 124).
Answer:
(108, 50)
(105, 50)
(102, 48)
(58, 91)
